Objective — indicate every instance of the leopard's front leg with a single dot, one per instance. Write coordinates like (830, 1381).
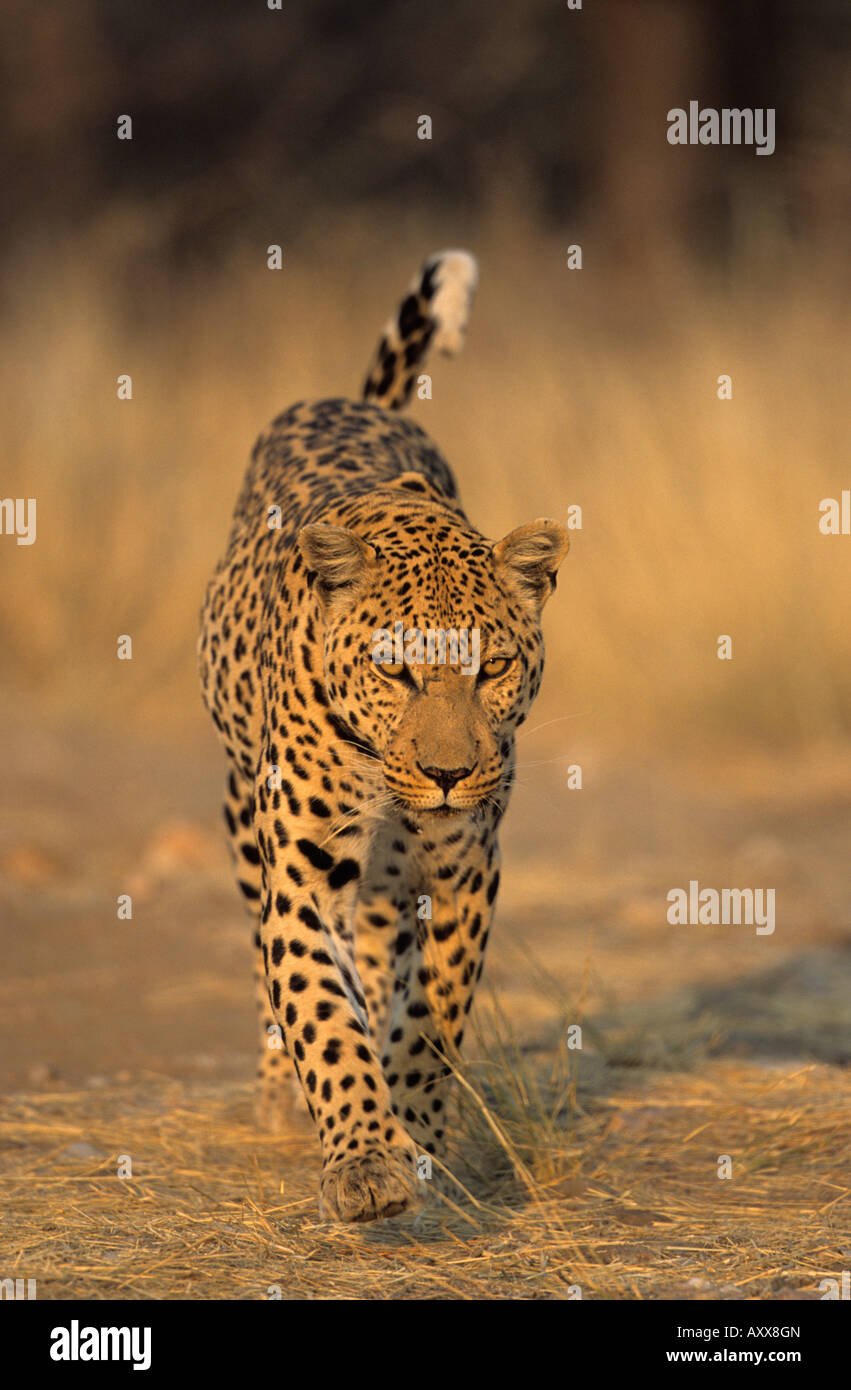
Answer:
(436, 975)
(369, 1161)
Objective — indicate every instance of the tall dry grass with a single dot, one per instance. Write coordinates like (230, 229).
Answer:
(700, 516)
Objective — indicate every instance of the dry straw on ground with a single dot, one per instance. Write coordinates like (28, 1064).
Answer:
(617, 1197)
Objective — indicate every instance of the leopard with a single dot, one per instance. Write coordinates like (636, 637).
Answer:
(364, 796)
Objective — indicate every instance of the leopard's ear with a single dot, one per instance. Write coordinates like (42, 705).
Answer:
(527, 559)
(336, 558)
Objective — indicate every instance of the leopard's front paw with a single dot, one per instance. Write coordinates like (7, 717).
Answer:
(370, 1186)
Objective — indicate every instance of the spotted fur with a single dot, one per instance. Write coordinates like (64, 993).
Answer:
(363, 800)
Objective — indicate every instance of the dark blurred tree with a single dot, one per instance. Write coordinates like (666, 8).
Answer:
(246, 118)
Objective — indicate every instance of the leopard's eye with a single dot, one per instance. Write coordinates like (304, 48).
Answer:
(393, 669)
(496, 666)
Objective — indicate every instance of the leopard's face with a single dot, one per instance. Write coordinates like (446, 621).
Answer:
(442, 730)
(433, 655)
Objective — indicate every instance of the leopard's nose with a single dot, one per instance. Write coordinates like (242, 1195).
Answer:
(445, 777)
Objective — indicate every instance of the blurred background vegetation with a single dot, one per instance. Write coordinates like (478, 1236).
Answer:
(595, 387)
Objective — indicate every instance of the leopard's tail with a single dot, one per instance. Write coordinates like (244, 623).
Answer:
(433, 313)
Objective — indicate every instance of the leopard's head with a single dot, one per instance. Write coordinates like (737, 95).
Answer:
(433, 645)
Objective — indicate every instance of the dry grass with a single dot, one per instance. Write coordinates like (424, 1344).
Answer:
(617, 1197)
(700, 517)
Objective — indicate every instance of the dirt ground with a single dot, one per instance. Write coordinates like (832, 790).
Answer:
(136, 1038)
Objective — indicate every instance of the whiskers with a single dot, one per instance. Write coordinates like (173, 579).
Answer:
(490, 799)
(368, 753)
(543, 762)
(510, 779)
(365, 810)
(559, 719)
